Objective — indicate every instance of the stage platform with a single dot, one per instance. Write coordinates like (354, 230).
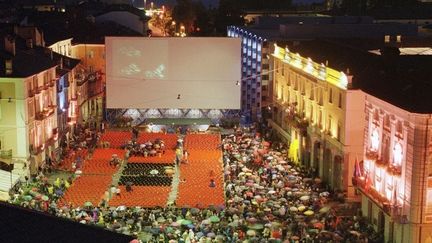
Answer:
(179, 121)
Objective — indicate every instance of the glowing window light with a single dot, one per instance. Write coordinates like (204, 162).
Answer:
(397, 154)
(378, 178)
(389, 186)
(374, 140)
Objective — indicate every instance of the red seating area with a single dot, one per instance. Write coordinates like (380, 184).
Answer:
(106, 153)
(87, 188)
(66, 163)
(92, 187)
(204, 164)
(170, 140)
(202, 141)
(168, 157)
(144, 196)
(116, 138)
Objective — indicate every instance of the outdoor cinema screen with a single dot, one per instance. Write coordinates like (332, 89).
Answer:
(170, 73)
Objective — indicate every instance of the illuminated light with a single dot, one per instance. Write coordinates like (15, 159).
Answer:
(397, 154)
(309, 67)
(375, 140)
(343, 79)
(322, 72)
(297, 61)
(389, 186)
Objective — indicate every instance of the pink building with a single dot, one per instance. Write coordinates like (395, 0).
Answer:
(395, 177)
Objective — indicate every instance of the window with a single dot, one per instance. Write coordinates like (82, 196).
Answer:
(320, 119)
(340, 100)
(311, 113)
(331, 95)
(329, 124)
(311, 95)
(91, 54)
(339, 131)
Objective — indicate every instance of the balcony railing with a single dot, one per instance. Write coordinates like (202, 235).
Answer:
(391, 208)
(371, 155)
(41, 115)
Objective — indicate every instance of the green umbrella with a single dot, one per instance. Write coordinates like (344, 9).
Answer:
(161, 219)
(27, 197)
(214, 219)
(256, 226)
(45, 198)
(186, 222)
(88, 204)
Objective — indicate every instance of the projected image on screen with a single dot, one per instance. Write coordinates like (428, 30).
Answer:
(185, 73)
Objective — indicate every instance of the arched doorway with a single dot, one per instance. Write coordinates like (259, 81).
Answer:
(337, 172)
(327, 162)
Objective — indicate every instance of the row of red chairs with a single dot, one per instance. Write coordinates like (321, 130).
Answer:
(202, 141)
(144, 196)
(204, 164)
(87, 188)
(116, 139)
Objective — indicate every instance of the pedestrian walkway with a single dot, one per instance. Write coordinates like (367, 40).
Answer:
(172, 197)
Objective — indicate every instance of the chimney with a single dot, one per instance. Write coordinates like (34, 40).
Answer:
(10, 44)
(8, 67)
(29, 43)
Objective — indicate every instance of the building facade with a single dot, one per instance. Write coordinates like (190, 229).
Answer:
(313, 108)
(92, 84)
(394, 179)
(255, 72)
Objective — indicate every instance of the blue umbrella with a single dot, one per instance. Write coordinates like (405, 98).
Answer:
(190, 226)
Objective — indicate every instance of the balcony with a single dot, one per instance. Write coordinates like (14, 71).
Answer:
(391, 208)
(372, 155)
(41, 115)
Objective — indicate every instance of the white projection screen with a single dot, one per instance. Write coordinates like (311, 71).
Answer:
(170, 73)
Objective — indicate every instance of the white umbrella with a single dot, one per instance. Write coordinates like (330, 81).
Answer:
(272, 192)
(304, 198)
(293, 209)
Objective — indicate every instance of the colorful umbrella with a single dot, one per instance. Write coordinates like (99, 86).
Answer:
(214, 219)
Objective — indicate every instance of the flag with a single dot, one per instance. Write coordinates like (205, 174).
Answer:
(357, 170)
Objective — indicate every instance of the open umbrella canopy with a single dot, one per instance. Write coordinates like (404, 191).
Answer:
(324, 209)
(161, 220)
(88, 204)
(45, 198)
(305, 198)
(293, 209)
(27, 197)
(214, 219)
(251, 232)
(186, 222)
(308, 213)
(175, 224)
(154, 172)
(301, 208)
(256, 226)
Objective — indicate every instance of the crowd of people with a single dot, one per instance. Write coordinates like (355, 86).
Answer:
(149, 148)
(268, 199)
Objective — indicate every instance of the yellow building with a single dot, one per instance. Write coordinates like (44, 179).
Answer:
(313, 109)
